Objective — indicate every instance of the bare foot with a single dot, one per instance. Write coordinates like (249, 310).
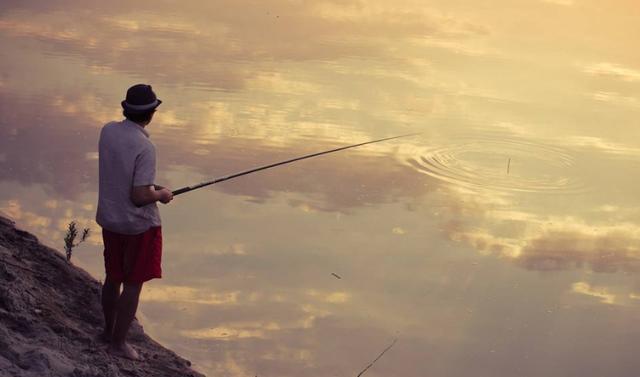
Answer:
(124, 350)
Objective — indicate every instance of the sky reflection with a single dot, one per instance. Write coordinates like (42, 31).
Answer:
(474, 267)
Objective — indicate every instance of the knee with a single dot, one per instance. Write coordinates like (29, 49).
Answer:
(111, 286)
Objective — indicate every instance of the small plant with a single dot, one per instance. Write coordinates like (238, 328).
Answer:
(69, 239)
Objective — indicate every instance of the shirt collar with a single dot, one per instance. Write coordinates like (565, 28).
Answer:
(136, 125)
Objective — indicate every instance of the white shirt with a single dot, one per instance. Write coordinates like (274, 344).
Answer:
(127, 158)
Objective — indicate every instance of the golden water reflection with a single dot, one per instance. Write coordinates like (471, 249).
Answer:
(502, 241)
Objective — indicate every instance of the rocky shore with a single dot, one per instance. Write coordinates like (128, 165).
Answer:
(50, 318)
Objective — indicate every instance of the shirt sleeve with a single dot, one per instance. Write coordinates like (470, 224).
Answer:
(144, 173)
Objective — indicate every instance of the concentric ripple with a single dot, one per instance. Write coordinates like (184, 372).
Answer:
(503, 164)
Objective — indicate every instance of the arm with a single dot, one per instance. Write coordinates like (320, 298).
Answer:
(143, 195)
(144, 192)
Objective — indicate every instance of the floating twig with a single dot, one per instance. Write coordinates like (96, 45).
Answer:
(508, 165)
(376, 359)
(336, 275)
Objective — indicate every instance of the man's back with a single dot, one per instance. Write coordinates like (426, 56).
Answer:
(127, 159)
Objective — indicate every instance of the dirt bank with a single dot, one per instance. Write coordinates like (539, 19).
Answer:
(50, 317)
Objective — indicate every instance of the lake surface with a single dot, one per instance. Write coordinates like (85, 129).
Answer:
(502, 241)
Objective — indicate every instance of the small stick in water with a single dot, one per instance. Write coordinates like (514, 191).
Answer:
(336, 275)
(508, 165)
(376, 359)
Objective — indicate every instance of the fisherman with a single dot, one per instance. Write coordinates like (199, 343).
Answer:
(128, 214)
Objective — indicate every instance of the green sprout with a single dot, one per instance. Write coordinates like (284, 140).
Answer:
(69, 239)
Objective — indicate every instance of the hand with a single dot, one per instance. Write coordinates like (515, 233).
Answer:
(165, 195)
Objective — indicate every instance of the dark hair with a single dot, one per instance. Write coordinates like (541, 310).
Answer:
(139, 117)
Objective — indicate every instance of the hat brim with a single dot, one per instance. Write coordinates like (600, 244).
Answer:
(139, 109)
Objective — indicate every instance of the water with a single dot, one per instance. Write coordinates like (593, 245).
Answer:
(485, 162)
(501, 241)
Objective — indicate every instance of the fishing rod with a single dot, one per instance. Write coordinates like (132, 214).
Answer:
(226, 178)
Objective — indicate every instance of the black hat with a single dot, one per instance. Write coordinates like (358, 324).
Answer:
(140, 99)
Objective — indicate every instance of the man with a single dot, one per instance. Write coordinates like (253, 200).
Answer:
(128, 214)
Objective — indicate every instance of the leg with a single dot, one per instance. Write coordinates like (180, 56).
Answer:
(110, 295)
(126, 311)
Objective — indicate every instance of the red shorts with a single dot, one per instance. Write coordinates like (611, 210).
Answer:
(133, 258)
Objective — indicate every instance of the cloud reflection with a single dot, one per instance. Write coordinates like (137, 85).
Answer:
(556, 244)
(608, 250)
(52, 146)
(585, 288)
(615, 71)
(203, 43)
(182, 294)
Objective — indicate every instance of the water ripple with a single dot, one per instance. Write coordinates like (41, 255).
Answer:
(501, 164)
